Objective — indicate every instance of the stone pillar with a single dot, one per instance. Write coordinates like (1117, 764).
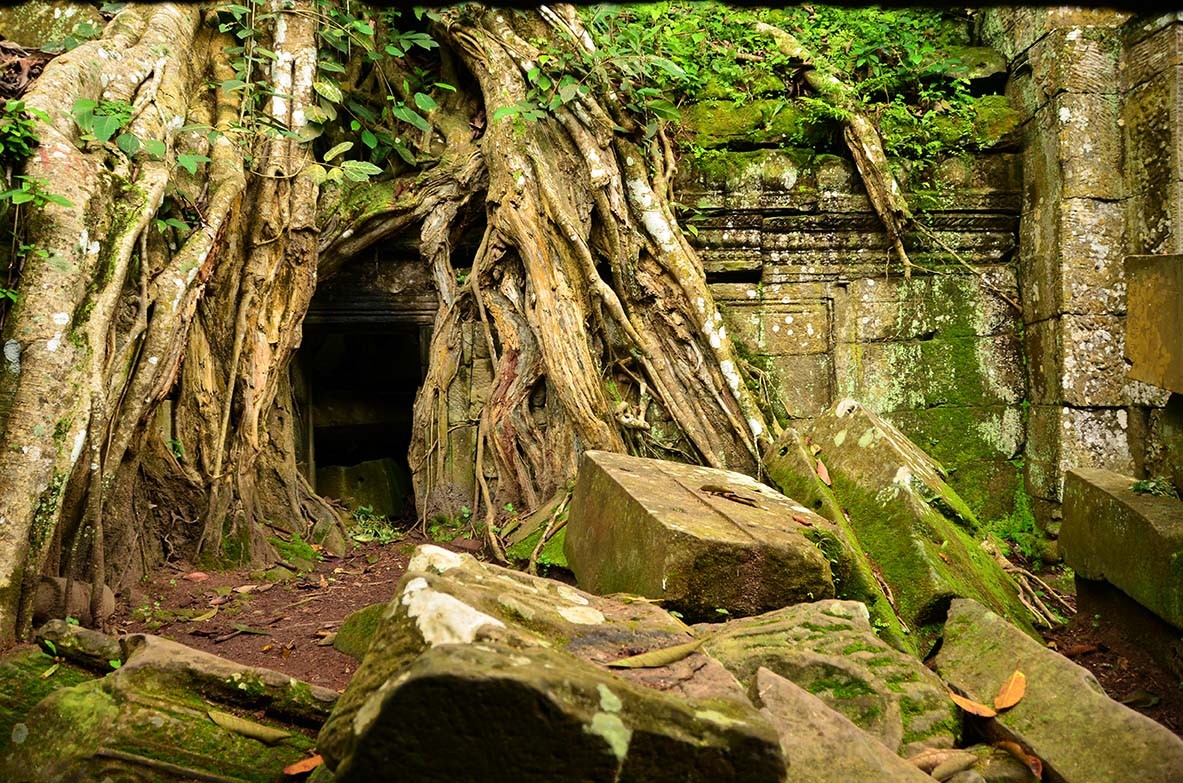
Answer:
(1064, 65)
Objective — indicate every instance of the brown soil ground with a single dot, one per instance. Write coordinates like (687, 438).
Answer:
(286, 626)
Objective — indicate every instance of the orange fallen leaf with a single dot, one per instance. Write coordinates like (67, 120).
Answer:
(303, 765)
(1018, 751)
(971, 706)
(1011, 691)
(196, 576)
(822, 473)
(802, 521)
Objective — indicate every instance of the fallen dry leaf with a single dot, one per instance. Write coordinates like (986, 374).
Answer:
(196, 576)
(656, 658)
(1011, 691)
(822, 473)
(971, 706)
(303, 765)
(1018, 751)
(931, 758)
(245, 589)
(802, 521)
(201, 618)
(247, 728)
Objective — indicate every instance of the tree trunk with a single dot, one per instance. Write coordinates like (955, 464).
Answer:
(145, 406)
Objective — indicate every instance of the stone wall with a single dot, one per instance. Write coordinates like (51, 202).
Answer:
(808, 288)
(1097, 90)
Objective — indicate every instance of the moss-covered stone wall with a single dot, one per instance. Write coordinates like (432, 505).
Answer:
(810, 292)
(1101, 130)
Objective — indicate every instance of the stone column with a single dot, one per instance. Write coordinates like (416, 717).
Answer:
(1064, 65)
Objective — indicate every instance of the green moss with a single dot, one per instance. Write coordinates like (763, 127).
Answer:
(552, 553)
(22, 686)
(717, 124)
(296, 551)
(357, 629)
(841, 689)
(854, 647)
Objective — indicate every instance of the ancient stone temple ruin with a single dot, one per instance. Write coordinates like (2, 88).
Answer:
(844, 611)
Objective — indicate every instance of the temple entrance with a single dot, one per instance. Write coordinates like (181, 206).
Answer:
(355, 377)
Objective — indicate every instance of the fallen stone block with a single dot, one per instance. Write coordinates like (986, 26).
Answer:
(1131, 540)
(792, 465)
(480, 673)
(830, 649)
(1064, 718)
(708, 543)
(911, 525)
(822, 745)
(169, 714)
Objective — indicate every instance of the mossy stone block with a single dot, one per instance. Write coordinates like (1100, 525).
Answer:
(1133, 541)
(1064, 718)
(357, 629)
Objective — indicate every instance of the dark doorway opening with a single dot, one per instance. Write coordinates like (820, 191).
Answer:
(357, 384)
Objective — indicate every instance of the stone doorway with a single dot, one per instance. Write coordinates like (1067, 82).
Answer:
(355, 378)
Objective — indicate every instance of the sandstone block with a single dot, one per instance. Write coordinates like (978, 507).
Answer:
(1154, 323)
(1133, 541)
(705, 541)
(1065, 718)
(830, 649)
(822, 745)
(480, 673)
(912, 526)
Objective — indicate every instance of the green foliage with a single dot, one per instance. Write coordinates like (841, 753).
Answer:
(368, 526)
(1017, 531)
(897, 62)
(1157, 486)
(448, 528)
(18, 135)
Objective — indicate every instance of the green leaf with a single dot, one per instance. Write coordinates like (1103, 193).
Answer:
(343, 147)
(663, 109)
(128, 143)
(54, 198)
(369, 139)
(329, 66)
(328, 90)
(189, 162)
(316, 173)
(154, 148)
(410, 116)
(104, 127)
(359, 170)
(425, 102)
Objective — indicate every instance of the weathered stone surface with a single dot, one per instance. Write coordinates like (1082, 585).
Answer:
(479, 673)
(1154, 324)
(83, 646)
(830, 649)
(22, 687)
(910, 523)
(1133, 541)
(37, 23)
(381, 485)
(1065, 718)
(1093, 367)
(52, 602)
(1062, 437)
(149, 720)
(356, 630)
(823, 746)
(670, 531)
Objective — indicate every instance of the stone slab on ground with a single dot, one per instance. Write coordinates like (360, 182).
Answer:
(481, 673)
(822, 745)
(912, 526)
(704, 541)
(830, 649)
(1064, 718)
(1133, 541)
(151, 720)
(1154, 320)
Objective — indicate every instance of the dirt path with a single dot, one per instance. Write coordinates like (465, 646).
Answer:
(281, 625)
